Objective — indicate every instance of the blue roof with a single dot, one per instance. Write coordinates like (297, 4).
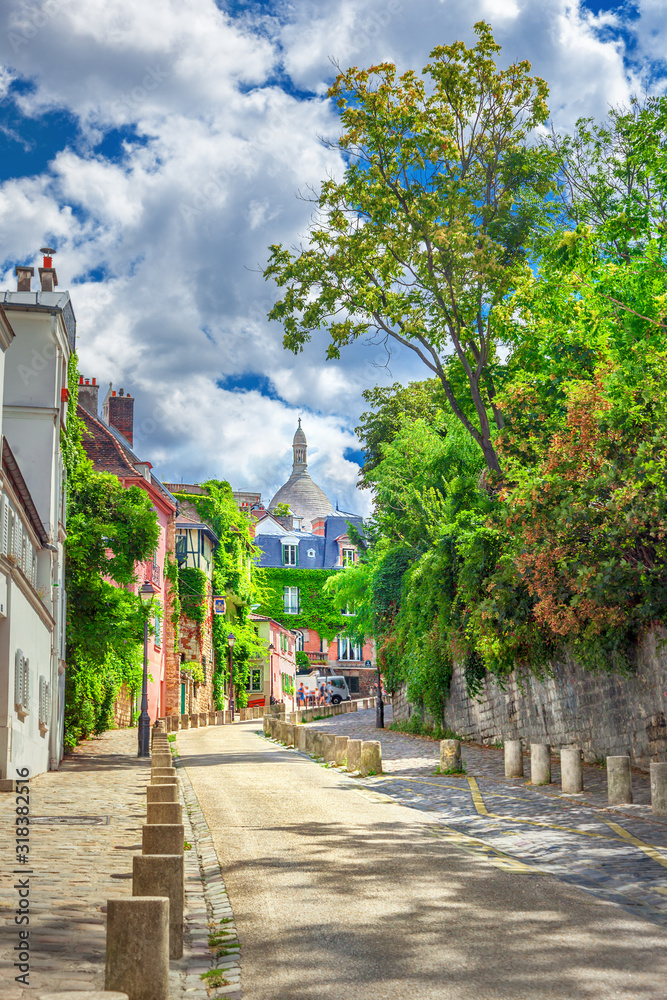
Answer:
(324, 547)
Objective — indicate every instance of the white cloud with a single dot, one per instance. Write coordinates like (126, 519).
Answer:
(222, 140)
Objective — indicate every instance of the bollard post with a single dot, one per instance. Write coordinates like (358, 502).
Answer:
(317, 743)
(211, 718)
(289, 735)
(513, 759)
(540, 764)
(161, 793)
(185, 722)
(161, 759)
(228, 717)
(163, 772)
(203, 719)
(162, 874)
(162, 838)
(164, 812)
(619, 780)
(137, 955)
(328, 743)
(571, 771)
(340, 750)
(194, 720)
(353, 755)
(658, 772)
(164, 781)
(310, 741)
(450, 756)
(175, 723)
(371, 758)
(300, 738)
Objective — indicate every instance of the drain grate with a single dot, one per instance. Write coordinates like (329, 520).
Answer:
(70, 820)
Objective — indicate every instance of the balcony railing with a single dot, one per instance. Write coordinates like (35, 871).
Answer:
(317, 657)
(154, 573)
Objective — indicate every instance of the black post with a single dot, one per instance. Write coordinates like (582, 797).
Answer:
(379, 705)
(144, 727)
(231, 681)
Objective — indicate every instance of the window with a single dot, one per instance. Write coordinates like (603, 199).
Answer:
(290, 555)
(254, 682)
(348, 649)
(291, 599)
(349, 610)
(158, 625)
(353, 684)
(298, 645)
(349, 557)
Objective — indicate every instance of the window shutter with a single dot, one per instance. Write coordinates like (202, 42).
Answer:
(4, 540)
(26, 683)
(42, 699)
(18, 679)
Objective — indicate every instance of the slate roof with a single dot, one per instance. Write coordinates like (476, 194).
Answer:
(325, 546)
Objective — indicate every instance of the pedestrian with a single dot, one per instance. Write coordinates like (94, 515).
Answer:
(301, 696)
(323, 694)
(329, 692)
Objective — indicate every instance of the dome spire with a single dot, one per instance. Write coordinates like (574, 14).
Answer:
(300, 451)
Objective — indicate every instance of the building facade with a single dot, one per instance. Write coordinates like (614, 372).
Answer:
(313, 537)
(37, 337)
(272, 677)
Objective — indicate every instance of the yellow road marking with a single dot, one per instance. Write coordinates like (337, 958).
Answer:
(477, 847)
(648, 849)
(477, 798)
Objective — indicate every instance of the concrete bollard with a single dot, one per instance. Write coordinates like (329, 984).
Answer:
(340, 750)
(137, 958)
(203, 719)
(175, 723)
(185, 722)
(163, 772)
(194, 721)
(162, 874)
(164, 781)
(371, 757)
(571, 771)
(540, 764)
(658, 772)
(619, 780)
(513, 759)
(220, 718)
(164, 812)
(211, 718)
(328, 743)
(289, 735)
(265, 724)
(318, 750)
(353, 755)
(161, 759)
(162, 838)
(300, 738)
(310, 741)
(450, 755)
(228, 717)
(161, 793)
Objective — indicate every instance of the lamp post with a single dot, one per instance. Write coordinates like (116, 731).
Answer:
(144, 727)
(271, 651)
(231, 639)
(379, 704)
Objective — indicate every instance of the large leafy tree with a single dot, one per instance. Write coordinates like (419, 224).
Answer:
(431, 224)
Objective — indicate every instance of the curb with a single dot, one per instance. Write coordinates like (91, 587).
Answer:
(206, 916)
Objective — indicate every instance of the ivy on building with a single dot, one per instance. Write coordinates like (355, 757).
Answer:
(317, 607)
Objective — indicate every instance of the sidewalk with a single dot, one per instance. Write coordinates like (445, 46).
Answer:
(617, 853)
(85, 826)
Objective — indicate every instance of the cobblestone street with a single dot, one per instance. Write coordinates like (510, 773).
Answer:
(618, 853)
(86, 824)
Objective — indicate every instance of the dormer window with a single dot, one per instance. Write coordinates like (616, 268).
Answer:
(290, 555)
(349, 557)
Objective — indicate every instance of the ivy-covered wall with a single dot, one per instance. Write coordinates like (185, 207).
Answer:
(316, 607)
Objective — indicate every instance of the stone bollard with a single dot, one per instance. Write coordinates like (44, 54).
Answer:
(571, 771)
(167, 724)
(194, 721)
(161, 759)
(310, 741)
(137, 959)
(220, 718)
(513, 759)
(273, 727)
(290, 737)
(328, 744)
(164, 781)
(163, 772)
(318, 750)
(300, 738)
(340, 750)
(228, 717)
(161, 793)
(162, 838)
(450, 755)
(211, 718)
(175, 723)
(371, 758)
(265, 725)
(203, 719)
(619, 780)
(164, 812)
(659, 788)
(540, 764)
(163, 874)
(353, 755)
(185, 722)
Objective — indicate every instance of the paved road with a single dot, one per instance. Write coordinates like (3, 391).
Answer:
(340, 892)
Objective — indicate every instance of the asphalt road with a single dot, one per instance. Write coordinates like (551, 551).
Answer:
(340, 893)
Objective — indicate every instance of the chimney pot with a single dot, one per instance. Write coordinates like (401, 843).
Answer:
(88, 395)
(87, 382)
(80, 379)
(113, 392)
(94, 382)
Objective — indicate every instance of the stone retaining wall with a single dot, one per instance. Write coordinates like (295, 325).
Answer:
(605, 714)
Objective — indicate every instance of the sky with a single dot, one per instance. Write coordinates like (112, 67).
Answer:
(160, 146)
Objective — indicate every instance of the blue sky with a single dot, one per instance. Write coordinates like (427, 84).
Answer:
(159, 147)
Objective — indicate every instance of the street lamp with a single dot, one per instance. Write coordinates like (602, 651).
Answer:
(144, 729)
(379, 704)
(231, 639)
(271, 651)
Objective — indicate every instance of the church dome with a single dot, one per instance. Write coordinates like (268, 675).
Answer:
(304, 497)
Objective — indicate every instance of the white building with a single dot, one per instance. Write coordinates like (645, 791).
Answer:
(37, 336)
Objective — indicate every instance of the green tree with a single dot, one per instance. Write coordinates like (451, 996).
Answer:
(430, 227)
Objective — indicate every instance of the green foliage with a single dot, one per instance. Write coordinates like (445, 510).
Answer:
(195, 670)
(432, 224)
(192, 590)
(171, 574)
(109, 528)
(317, 609)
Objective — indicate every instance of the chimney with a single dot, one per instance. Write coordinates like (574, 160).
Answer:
(47, 274)
(23, 277)
(121, 414)
(88, 390)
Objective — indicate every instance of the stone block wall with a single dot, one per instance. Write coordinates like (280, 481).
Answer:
(172, 672)
(122, 709)
(604, 713)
